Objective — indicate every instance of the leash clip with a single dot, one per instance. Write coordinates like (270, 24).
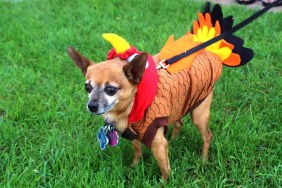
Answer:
(162, 64)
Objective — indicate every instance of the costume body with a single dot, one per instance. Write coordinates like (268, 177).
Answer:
(178, 94)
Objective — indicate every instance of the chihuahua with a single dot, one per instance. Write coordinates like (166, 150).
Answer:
(114, 88)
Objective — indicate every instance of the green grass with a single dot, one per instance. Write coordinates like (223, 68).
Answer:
(48, 139)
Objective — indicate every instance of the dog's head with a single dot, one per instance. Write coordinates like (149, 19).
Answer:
(111, 85)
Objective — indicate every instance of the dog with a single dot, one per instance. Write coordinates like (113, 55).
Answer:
(139, 96)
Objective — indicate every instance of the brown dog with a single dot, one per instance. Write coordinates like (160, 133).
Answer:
(112, 75)
(113, 86)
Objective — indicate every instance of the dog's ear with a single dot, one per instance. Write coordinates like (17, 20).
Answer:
(135, 69)
(81, 61)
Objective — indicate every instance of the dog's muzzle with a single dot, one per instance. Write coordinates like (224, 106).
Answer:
(93, 106)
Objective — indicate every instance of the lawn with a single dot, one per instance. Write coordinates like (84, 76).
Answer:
(48, 139)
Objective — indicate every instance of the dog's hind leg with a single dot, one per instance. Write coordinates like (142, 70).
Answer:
(159, 148)
(176, 128)
(137, 152)
(200, 118)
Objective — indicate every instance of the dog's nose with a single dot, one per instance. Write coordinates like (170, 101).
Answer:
(93, 106)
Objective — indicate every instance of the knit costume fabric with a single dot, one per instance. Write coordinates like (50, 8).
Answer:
(178, 94)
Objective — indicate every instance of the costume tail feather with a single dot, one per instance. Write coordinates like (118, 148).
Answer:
(210, 24)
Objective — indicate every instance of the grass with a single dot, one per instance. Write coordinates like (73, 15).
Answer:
(48, 139)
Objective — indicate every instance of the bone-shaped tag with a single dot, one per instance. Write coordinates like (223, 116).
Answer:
(102, 138)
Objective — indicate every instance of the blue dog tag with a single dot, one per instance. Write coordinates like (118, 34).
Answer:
(102, 138)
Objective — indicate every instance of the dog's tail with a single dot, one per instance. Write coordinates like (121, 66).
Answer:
(210, 24)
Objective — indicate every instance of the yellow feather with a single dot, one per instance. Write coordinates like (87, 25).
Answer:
(118, 43)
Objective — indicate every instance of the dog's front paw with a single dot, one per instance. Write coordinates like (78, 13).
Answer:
(135, 162)
(137, 152)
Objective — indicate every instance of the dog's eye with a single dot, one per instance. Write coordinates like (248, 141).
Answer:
(110, 90)
(88, 87)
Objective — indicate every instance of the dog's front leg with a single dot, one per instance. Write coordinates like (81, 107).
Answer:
(160, 150)
(137, 152)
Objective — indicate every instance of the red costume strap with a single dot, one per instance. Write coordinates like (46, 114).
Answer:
(146, 89)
